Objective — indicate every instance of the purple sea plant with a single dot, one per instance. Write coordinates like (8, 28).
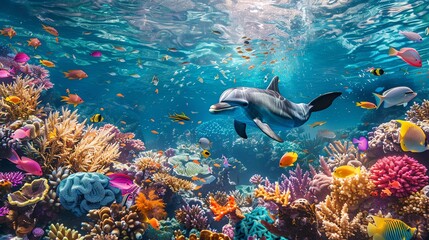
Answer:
(4, 211)
(192, 217)
(298, 184)
(14, 177)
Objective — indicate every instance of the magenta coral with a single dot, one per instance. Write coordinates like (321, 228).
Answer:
(410, 175)
(4, 211)
(14, 177)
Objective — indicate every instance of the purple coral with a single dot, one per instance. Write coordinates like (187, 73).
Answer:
(256, 179)
(298, 184)
(14, 177)
(170, 152)
(410, 174)
(4, 211)
(192, 217)
(228, 230)
(38, 232)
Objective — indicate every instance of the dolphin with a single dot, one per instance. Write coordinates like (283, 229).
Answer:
(267, 108)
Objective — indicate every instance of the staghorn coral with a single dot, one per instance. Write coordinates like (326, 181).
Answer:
(256, 179)
(336, 222)
(28, 105)
(192, 217)
(298, 184)
(230, 208)
(115, 220)
(151, 206)
(13, 177)
(410, 174)
(385, 137)
(174, 183)
(251, 227)
(281, 198)
(60, 232)
(30, 193)
(220, 197)
(343, 153)
(418, 112)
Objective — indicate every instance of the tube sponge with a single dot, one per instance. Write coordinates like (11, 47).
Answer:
(81, 192)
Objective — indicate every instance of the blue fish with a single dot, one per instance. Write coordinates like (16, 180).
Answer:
(379, 89)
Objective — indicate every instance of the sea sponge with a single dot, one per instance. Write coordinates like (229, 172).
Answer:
(151, 206)
(410, 174)
(59, 231)
(81, 192)
(30, 193)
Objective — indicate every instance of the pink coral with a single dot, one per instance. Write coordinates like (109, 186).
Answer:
(410, 175)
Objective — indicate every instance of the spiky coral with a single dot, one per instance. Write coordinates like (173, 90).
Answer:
(343, 153)
(277, 196)
(418, 112)
(14, 177)
(151, 206)
(28, 105)
(230, 208)
(174, 183)
(59, 231)
(192, 217)
(298, 183)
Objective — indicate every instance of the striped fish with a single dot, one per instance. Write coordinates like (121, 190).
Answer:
(389, 229)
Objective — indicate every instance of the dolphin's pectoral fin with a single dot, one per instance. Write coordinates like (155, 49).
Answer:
(240, 128)
(323, 101)
(267, 130)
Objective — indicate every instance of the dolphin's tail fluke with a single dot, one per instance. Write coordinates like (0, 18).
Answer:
(323, 101)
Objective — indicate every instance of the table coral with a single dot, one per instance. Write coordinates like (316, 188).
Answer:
(30, 193)
(410, 174)
(81, 192)
(115, 220)
(192, 217)
(59, 231)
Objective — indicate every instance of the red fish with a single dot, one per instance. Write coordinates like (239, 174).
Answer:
(409, 55)
(75, 74)
(395, 184)
(34, 42)
(50, 30)
(8, 32)
(73, 99)
(24, 163)
(123, 182)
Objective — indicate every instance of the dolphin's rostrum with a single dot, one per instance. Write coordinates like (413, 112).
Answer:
(268, 109)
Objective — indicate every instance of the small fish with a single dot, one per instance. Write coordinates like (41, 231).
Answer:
(181, 123)
(4, 73)
(47, 63)
(166, 57)
(9, 32)
(75, 74)
(251, 67)
(217, 32)
(205, 153)
(412, 36)
(386, 192)
(157, 91)
(326, 134)
(73, 99)
(21, 133)
(172, 49)
(362, 143)
(86, 33)
(37, 56)
(96, 118)
(26, 164)
(395, 97)
(427, 31)
(135, 75)
(195, 178)
(154, 132)
(411, 137)
(408, 55)
(135, 51)
(200, 79)
(179, 117)
(389, 229)
(13, 99)
(119, 48)
(225, 162)
(366, 105)
(216, 165)
(198, 187)
(317, 124)
(120, 95)
(216, 77)
(395, 185)
(34, 42)
(376, 71)
(205, 143)
(288, 159)
(21, 57)
(123, 122)
(152, 120)
(345, 171)
(121, 60)
(155, 80)
(96, 54)
(50, 30)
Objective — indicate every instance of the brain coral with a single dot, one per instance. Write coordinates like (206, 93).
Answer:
(81, 192)
(410, 175)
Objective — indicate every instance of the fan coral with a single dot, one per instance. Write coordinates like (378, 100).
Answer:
(192, 217)
(281, 198)
(230, 208)
(151, 206)
(410, 174)
(30, 193)
(174, 183)
(59, 231)
(29, 95)
(115, 220)
(81, 192)
(14, 177)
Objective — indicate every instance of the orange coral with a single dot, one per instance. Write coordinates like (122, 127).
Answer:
(230, 208)
(279, 197)
(151, 206)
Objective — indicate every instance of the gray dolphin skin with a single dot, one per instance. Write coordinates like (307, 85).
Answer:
(267, 108)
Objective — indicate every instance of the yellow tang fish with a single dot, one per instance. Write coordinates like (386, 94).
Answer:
(411, 137)
(389, 229)
(345, 171)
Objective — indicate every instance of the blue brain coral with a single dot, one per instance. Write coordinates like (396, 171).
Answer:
(81, 192)
(251, 226)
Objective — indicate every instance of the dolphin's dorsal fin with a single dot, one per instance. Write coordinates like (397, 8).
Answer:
(274, 84)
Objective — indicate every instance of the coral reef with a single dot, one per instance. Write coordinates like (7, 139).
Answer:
(321, 182)
(55, 178)
(59, 231)
(192, 217)
(81, 192)
(418, 112)
(117, 221)
(174, 183)
(385, 137)
(298, 184)
(343, 153)
(230, 208)
(410, 175)
(151, 206)
(416, 206)
(279, 197)
(15, 178)
(30, 193)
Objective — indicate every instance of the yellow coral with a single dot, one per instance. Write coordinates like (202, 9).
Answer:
(174, 183)
(28, 105)
(279, 197)
(60, 232)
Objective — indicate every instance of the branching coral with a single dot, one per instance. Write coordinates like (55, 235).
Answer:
(336, 222)
(115, 220)
(406, 171)
(298, 184)
(55, 177)
(277, 196)
(417, 204)
(151, 206)
(418, 112)
(13, 177)
(174, 183)
(230, 208)
(59, 231)
(343, 153)
(28, 104)
(192, 217)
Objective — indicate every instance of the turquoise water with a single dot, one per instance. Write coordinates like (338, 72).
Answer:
(193, 47)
